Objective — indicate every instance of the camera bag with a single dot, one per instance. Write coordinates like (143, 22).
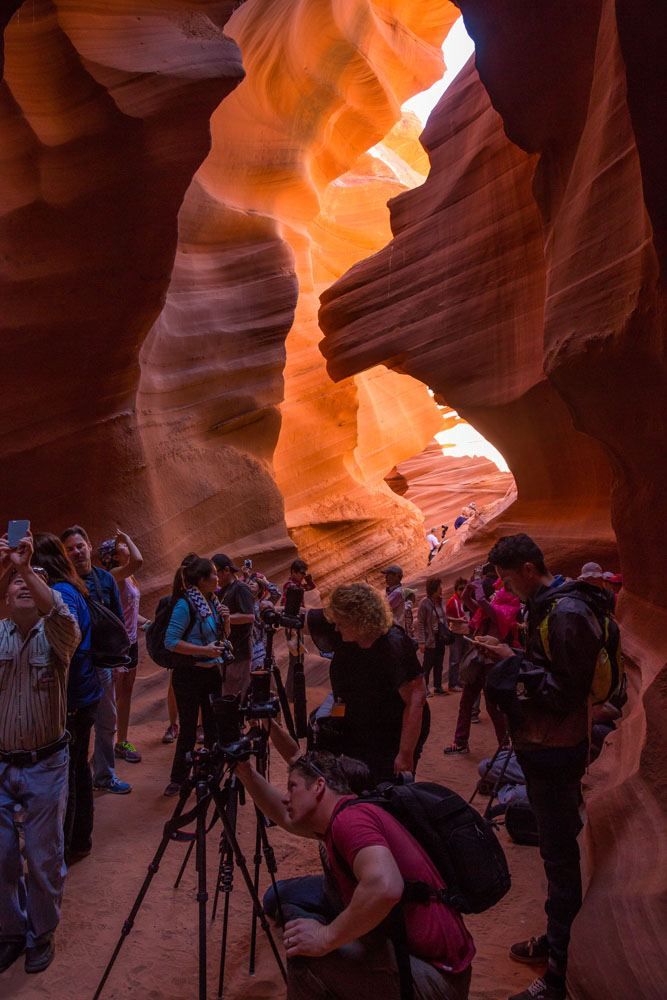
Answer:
(156, 631)
(109, 641)
(461, 844)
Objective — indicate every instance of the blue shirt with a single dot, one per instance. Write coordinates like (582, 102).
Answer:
(203, 631)
(83, 686)
(106, 590)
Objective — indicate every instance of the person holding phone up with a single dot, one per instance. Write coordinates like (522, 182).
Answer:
(37, 642)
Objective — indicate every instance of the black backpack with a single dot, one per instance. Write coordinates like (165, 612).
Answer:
(156, 632)
(109, 641)
(460, 843)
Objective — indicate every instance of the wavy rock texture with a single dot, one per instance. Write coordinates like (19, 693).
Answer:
(159, 367)
(546, 330)
(324, 82)
(104, 118)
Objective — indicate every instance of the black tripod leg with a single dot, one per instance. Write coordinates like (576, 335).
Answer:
(243, 868)
(223, 850)
(484, 776)
(257, 860)
(169, 828)
(285, 706)
(181, 870)
(498, 782)
(202, 893)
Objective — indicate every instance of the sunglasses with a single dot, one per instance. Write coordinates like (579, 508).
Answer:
(305, 760)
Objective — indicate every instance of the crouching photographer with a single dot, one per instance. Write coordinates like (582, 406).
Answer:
(342, 946)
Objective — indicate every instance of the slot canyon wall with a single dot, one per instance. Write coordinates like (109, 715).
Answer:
(166, 241)
(525, 283)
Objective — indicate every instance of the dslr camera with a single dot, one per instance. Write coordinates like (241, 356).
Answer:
(230, 715)
(290, 617)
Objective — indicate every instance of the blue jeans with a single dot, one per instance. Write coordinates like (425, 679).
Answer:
(105, 729)
(30, 903)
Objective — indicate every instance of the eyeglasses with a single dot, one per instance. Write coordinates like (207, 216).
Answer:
(305, 760)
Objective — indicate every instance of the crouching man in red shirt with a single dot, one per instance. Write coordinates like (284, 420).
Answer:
(368, 856)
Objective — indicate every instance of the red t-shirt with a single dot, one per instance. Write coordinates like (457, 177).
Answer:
(436, 933)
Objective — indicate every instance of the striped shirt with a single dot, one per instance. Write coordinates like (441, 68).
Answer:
(33, 679)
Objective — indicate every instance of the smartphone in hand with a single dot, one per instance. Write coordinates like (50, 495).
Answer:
(16, 530)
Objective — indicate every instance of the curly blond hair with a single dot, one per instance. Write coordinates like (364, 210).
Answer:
(361, 606)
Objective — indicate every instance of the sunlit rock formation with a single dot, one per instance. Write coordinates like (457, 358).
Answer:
(287, 158)
(157, 367)
(524, 284)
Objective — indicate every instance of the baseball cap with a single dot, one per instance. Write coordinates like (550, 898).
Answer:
(591, 571)
(393, 569)
(222, 561)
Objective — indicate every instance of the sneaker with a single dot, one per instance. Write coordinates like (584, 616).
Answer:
(200, 734)
(127, 751)
(540, 990)
(455, 688)
(475, 720)
(39, 957)
(114, 785)
(171, 734)
(534, 951)
(454, 748)
(440, 691)
(173, 788)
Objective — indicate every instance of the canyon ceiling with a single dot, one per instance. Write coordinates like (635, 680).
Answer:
(182, 183)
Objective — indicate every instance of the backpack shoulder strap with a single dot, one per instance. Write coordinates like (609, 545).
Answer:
(96, 584)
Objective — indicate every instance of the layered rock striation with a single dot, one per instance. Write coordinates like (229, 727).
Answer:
(524, 284)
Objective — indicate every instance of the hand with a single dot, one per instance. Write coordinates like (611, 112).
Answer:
(5, 561)
(404, 762)
(122, 536)
(22, 554)
(306, 937)
(224, 611)
(211, 652)
(496, 650)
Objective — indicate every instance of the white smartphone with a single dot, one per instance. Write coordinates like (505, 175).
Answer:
(16, 530)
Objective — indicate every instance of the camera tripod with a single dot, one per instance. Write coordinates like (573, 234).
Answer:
(297, 722)
(504, 747)
(208, 770)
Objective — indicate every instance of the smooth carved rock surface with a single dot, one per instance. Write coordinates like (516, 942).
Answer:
(288, 152)
(104, 120)
(543, 219)
(159, 366)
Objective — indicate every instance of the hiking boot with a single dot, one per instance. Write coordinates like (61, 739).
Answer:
(173, 788)
(114, 785)
(534, 951)
(10, 950)
(455, 748)
(171, 734)
(42, 953)
(455, 688)
(440, 691)
(540, 990)
(127, 751)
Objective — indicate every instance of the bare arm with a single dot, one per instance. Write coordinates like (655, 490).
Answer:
(135, 562)
(268, 799)
(413, 694)
(287, 747)
(379, 889)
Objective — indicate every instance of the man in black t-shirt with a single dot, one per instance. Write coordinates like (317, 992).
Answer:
(376, 679)
(237, 596)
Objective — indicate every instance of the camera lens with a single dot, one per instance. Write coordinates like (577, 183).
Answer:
(228, 718)
(260, 686)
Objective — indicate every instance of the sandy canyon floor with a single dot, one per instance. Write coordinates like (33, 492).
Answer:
(159, 958)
